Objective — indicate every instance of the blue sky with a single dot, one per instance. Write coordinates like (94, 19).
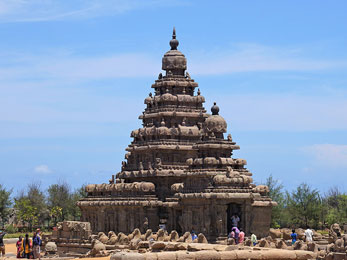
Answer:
(74, 74)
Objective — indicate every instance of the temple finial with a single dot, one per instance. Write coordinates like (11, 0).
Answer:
(174, 33)
(215, 109)
(174, 42)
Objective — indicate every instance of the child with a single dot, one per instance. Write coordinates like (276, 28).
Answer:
(254, 239)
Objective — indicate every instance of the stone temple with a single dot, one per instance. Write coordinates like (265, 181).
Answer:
(178, 171)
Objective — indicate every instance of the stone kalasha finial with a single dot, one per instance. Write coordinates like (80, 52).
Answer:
(174, 43)
(215, 109)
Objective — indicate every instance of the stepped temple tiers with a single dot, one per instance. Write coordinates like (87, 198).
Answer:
(178, 171)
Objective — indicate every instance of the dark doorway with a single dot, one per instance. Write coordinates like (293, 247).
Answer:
(233, 208)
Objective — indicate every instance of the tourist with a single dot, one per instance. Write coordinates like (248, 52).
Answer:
(194, 236)
(308, 235)
(294, 236)
(241, 236)
(254, 239)
(232, 234)
(236, 234)
(27, 247)
(19, 247)
(36, 246)
(38, 233)
(235, 220)
(2, 245)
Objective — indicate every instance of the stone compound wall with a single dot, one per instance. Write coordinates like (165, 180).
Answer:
(271, 254)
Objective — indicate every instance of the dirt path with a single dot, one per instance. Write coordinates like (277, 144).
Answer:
(11, 252)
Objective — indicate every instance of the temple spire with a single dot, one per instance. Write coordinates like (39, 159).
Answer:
(174, 42)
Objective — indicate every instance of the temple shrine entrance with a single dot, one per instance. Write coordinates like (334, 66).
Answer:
(233, 208)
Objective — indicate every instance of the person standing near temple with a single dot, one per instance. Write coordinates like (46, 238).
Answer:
(237, 233)
(241, 236)
(308, 235)
(19, 247)
(254, 239)
(27, 247)
(194, 236)
(235, 220)
(294, 236)
(2, 245)
(36, 246)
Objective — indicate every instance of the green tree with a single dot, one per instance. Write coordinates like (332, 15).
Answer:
(304, 205)
(26, 212)
(335, 204)
(76, 196)
(5, 204)
(59, 197)
(276, 194)
(31, 206)
(62, 202)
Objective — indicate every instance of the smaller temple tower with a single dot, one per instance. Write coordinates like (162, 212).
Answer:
(178, 170)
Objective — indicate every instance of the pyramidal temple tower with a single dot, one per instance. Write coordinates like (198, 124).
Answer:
(179, 172)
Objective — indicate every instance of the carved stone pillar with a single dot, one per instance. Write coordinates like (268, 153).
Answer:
(131, 217)
(122, 222)
(207, 221)
(247, 218)
(101, 220)
(140, 219)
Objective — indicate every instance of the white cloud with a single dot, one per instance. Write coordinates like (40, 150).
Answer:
(44, 169)
(327, 155)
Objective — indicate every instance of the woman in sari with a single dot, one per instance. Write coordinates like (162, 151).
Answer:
(27, 246)
(19, 247)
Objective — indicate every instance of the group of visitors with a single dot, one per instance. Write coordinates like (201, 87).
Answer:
(237, 233)
(308, 235)
(29, 248)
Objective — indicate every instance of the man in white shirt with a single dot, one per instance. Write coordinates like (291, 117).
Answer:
(308, 235)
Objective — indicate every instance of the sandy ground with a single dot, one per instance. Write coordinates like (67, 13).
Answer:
(11, 252)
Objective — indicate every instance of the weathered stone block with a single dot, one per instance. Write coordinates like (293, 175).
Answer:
(150, 256)
(167, 256)
(207, 255)
(127, 256)
(228, 255)
(184, 255)
(278, 254)
(303, 255)
(158, 245)
(199, 247)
